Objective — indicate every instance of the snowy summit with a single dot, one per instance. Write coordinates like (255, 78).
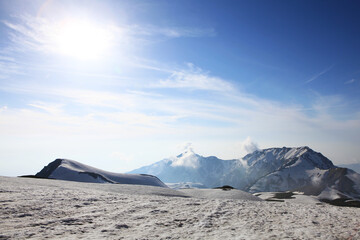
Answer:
(64, 169)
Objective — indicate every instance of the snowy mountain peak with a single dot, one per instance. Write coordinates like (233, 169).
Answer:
(70, 170)
(274, 158)
(186, 159)
(187, 152)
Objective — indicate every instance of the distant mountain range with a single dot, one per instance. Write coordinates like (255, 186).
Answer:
(70, 170)
(273, 169)
(270, 170)
(352, 166)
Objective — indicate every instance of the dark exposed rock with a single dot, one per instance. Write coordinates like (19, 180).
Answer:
(283, 195)
(47, 170)
(225, 188)
(343, 202)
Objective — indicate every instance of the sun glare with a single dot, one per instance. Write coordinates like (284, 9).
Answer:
(81, 39)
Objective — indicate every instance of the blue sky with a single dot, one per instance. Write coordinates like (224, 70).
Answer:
(122, 84)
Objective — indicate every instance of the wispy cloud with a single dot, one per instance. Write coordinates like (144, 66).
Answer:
(48, 107)
(8, 66)
(40, 34)
(316, 76)
(165, 111)
(49, 36)
(137, 114)
(170, 32)
(350, 81)
(248, 146)
(195, 78)
(29, 32)
(147, 111)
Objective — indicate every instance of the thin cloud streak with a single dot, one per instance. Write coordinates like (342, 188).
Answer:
(316, 76)
(8, 67)
(170, 32)
(351, 81)
(50, 108)
(196, 81)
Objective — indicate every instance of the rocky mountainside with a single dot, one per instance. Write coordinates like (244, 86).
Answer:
(64, 169)
(268, 170)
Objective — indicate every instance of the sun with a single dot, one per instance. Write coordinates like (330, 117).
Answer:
(81, 39)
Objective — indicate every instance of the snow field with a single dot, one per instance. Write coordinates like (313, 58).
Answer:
(40, 209)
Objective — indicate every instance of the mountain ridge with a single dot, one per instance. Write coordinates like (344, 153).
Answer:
(70, 170)
(271, 169)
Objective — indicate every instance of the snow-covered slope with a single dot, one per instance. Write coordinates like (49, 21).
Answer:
(70, 170)
(45, 209)
(268, 170)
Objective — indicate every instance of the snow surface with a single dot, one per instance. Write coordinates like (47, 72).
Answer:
(220, 194)
(43, 208)
(185, 185)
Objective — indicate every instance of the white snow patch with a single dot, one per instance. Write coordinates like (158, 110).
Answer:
(329, 193)
(296, 152)
(220, 194)
(186, 159)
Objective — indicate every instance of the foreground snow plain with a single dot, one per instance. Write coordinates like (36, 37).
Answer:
(41, 208)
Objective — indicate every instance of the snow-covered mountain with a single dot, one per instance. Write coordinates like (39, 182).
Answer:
(70, 170)
(282, 169)
(191, 167)
(273, 169)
